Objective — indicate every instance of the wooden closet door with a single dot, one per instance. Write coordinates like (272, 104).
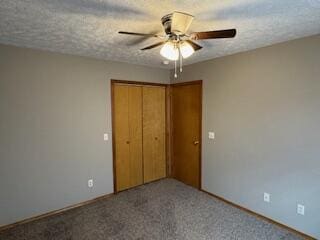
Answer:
(128, 136)
(186, 112)
(154, 124)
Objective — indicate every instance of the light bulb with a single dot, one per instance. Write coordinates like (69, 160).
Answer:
(186, 49)
(170, 51)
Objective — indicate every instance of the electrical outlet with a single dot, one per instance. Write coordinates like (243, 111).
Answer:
(90, 183)
(266, 197)
(105, 137)
(300, 209)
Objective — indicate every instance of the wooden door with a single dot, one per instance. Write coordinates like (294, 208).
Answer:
(186, 110)
(154, 135)
(127, 123)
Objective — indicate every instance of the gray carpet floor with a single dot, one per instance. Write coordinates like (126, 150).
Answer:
(166, 209)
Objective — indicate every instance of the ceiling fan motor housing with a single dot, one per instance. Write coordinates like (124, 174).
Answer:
(166, 22)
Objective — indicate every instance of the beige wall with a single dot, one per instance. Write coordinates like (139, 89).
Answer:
(54, 111)
(264, 106)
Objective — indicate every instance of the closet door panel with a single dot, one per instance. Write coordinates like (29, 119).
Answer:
(135, 135)
(154, 122)
(128, 136)
(121, 136)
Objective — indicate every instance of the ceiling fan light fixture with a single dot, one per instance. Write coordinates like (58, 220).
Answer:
(170, 51)
(178, 43)
(186, 49)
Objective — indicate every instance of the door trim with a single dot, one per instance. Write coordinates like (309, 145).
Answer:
(127, 82)
(195, 82)
(138, 83)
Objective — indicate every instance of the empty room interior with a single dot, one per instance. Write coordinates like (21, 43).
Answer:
(156, 120)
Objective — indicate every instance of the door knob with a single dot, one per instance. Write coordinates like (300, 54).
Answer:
(196, 142)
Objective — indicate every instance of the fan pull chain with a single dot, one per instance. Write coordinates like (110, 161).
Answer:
(175, 69)
(180, 56)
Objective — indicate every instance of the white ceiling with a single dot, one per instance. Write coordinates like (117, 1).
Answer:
(89, 27)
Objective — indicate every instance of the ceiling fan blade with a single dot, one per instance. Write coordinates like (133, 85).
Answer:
(139, 34)
(228, 33)
(180, 22)
(153, 46)
(195, 46)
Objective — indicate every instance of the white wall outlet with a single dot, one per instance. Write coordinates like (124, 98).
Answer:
(90, 183)
(105, 137)
(300, 209)
(266, 197)
(211, 135)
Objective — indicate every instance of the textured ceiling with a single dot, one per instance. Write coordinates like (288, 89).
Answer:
(89, 27)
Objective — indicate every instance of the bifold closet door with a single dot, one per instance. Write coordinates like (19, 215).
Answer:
(154, 132)
(128, 136)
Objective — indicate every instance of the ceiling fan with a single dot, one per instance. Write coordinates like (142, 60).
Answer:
(177, 43)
